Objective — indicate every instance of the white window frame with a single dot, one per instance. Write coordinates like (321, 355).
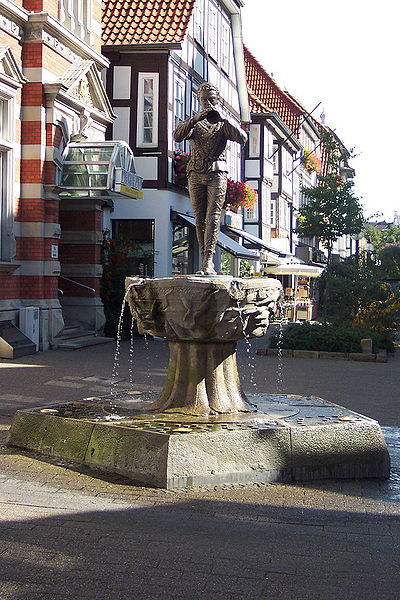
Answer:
(225, 45)
(195, 103)
(276, 151)
(213, 31)
(179, 100)
(140, 138)
(272, 213)
(76, 15)
(199, 22)
(251, 214)
(7, 175)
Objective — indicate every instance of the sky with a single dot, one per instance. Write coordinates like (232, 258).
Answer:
(344, 54)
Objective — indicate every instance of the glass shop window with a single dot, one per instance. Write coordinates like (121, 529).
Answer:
(136, 237)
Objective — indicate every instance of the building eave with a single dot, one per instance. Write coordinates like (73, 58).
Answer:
(160, 48)
(12, 10)
(44, 22)
(281, 128)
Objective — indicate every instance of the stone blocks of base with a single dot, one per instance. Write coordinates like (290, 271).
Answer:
(279, 451)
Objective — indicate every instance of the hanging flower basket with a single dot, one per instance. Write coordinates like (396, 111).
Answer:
(311, 162)
(181, 160)
(240, 195)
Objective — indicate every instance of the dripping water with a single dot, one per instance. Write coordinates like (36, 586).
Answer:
(131, 351)
(115, 369)
(117, 355)
(249, 350)
(279, 368)
(147, 353)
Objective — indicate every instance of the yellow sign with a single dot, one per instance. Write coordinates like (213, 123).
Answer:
(132, 192)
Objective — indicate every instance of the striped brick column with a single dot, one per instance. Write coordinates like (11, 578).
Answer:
(37, 215)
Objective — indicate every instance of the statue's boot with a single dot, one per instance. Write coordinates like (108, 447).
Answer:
(208, 266)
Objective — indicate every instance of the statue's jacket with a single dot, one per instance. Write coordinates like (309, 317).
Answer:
(208, 143)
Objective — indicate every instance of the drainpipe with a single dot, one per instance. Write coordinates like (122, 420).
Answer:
(239, 59)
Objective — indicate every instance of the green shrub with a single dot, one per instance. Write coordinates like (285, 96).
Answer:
(328, 338)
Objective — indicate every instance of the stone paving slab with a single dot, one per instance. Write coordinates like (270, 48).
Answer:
(67, 534)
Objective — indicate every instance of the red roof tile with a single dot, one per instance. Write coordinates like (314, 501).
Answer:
(266, 96)
(145, 22)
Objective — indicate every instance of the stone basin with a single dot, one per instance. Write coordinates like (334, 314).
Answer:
(202, 318)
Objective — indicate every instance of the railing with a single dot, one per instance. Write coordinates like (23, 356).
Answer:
(90, 289)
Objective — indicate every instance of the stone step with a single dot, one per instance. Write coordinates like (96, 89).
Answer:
(70, 333)
(83, 341)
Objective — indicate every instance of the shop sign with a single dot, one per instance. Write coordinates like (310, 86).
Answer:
(127, 183)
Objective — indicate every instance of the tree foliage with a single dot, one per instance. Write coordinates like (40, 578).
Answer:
(389, 262)
(356, 295)
(346, 288)
(379, 238)
(331, 209)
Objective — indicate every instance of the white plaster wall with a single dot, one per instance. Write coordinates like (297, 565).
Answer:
(121, 125)
(122, 83)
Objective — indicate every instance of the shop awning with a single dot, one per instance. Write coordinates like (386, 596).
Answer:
(254, 241)
(225, 242)
(302, 270)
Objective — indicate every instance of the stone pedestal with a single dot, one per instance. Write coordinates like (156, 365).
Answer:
(290, 438)
(202, 318)
(201, 379)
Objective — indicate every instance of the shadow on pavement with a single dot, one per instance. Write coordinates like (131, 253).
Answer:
(201, 549)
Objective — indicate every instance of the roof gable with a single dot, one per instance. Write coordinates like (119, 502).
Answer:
(128, 22)
(81, 83)
(10, 72)
(266, 96)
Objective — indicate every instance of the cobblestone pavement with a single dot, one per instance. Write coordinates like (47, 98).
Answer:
(68, 534)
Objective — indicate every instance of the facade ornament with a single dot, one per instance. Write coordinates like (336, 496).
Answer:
(85, 122)
(82, 91)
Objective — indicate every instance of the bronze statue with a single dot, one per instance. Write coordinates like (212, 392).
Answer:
(207, 171)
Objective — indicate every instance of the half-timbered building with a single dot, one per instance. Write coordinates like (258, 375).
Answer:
(160, 52)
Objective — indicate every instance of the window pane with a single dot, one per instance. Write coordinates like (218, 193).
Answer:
(147, 136)
(89, 154)
(148, 86)
(148, 119)
(148, 103)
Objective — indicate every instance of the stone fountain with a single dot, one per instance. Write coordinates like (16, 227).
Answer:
(202, 318)
(202, 430)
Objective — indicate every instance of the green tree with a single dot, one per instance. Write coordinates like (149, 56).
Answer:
(348, 287)
(389, 262)
(378, 238)
(331, 209)
(391, 235)
(373, 235)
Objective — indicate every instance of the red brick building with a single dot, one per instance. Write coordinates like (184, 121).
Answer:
(52, 100)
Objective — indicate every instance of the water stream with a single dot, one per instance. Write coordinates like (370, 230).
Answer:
(279, 368)
(116, 364)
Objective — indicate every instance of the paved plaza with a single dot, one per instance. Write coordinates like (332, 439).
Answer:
(70, 534)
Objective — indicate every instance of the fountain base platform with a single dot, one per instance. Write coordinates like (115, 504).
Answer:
(290, 438)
